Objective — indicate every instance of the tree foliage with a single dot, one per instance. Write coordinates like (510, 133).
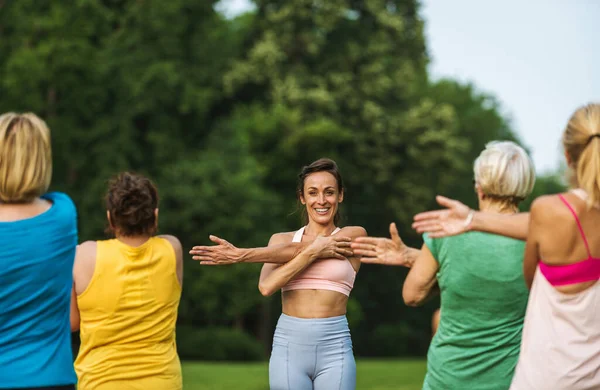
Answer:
(222, 113)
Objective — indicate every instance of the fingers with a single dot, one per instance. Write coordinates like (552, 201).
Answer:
(370, 260)
(344, 252)
(394, 233)
(367, 240)
(203, 258)
(357, 245)
(197, 250)
(209, 263)
(341, 239)
(427, 227)
(365, 253)
(436, 214)
(343, 244)
(218, 240)
(446, 202)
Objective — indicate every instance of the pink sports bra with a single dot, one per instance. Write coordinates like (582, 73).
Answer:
(580, 272)
(326, 274)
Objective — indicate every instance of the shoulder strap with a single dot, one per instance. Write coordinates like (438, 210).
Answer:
(298, 235)
(566, 202)
(335, 231)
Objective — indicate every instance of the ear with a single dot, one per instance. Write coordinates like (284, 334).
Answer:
(568, 158)
(480, 194)
(301, 197)
(109, 220)
(341, 197)
(156, 218)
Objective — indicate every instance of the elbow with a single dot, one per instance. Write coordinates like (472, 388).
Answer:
(412, 298)
(412, 302)
(265, 289)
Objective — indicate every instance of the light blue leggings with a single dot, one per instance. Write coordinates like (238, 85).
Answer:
(312, 354)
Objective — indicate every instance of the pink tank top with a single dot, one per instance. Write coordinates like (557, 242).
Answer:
(582, 271)
(560, 347)
(325, 274)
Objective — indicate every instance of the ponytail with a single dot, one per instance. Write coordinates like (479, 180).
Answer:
(588, 170)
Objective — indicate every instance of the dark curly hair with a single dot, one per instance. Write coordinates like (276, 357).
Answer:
(321, 165)
(131, 200)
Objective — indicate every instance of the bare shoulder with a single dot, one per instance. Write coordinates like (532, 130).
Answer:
(86, 250)
(354, 231)
(174, 241)
(548, 207)
(85, 258)
(281, 238)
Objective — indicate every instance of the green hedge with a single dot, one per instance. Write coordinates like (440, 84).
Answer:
(217, 344)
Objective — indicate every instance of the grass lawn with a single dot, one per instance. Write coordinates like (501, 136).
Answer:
(372, 375)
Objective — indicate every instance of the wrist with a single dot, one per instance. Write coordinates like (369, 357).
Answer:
(244, 256)
(409, 257)
(311, 254)
(468, 224)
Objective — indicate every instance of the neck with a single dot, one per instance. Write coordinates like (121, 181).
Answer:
(315, 229)
(497, 207)
(133, 240)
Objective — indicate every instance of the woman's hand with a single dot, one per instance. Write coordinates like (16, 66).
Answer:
(379, 250)
(330, 247)
(221, 254)
(455, 219)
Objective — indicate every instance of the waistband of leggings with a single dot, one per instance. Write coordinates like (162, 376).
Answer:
(312, 330)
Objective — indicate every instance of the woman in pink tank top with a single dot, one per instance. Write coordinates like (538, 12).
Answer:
(560, 348)
(315, 270)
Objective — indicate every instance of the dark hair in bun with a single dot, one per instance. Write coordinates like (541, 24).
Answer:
(131, 201)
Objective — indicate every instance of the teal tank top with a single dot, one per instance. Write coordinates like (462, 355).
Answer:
(483, 303)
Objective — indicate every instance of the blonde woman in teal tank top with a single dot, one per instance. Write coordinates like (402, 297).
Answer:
(480, 279)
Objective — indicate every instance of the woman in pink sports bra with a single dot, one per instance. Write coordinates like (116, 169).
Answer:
(315, 272)
(560, 348)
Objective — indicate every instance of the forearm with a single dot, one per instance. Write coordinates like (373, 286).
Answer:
(514, 226)
(280, 276)
(410, 256)
(277, 254)
(422, 296)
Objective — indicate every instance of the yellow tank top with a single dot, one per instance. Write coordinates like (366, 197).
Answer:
(128, 314)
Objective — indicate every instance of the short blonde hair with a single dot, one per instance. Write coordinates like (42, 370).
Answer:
(25, 157)
(504, 171)
(581, 141)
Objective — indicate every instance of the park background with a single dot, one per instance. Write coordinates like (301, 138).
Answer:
(222, 111)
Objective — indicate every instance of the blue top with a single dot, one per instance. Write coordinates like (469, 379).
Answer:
(36, 277)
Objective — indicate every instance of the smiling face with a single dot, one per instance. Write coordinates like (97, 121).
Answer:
(321, 197)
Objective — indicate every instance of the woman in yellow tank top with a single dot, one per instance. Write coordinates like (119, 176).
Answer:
(125, 296)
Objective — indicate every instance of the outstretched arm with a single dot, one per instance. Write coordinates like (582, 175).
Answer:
(458, 218)
(282, 252)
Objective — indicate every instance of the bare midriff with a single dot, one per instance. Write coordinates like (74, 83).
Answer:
(313, 303)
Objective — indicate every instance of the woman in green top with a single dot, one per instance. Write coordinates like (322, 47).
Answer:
(479, 276)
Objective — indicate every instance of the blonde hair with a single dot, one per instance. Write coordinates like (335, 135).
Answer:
(504, 172)
(25, 157)
(581, 141)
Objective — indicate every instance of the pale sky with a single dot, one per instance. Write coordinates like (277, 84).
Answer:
(537, 57)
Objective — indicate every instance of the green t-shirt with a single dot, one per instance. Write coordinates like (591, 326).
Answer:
(484, 298)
